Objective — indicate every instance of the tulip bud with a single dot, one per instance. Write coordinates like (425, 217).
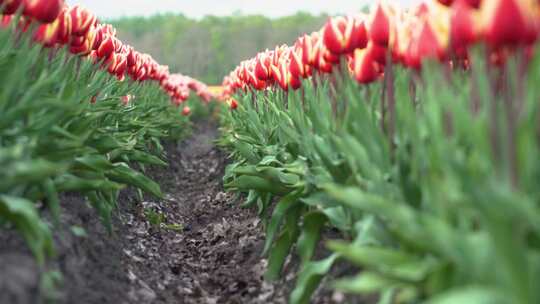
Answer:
(296, 66)
(310, 48)
(363, 67)
(64, 26)
(46, 34)
(5, 21)
(186, 111)
(379, 27)
(426, 45)
(45, 11)
(126, 99)
(337, 35)
(262, 66)
(463, 30)
(82, 20)
(107, 47)
(509, 22)
(233, 104)
(281, 75)
(359, 36)
(10, 7)
(294, 82)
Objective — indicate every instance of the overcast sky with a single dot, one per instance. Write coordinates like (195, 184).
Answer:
(199, 8)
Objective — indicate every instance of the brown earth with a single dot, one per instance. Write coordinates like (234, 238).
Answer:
(201, 247)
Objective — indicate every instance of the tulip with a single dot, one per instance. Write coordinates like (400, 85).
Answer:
(296, 66)
(427, 45)
(82, 20)
(463, 30)
(107, 47)
(47, 34)
(262, 66)
(45, 11)
(5, 21)
(342, 35)
(281, 75)
(379, 27)
(10, 7)
(186, 111)
(310, 48)
(64, 27)
(470, 3)
(255, 82)
(509, 22)
(126, 99)
(233, 104)
(363, 67)
(337, 35)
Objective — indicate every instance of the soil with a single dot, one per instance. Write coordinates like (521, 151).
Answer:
(195, 246)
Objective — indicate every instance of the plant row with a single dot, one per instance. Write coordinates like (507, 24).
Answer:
(80, 112)
(414, 134)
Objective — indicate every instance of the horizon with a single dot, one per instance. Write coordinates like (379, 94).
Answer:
(107, 9)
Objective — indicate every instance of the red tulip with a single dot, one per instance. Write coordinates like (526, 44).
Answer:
(509, 22)
(426, 45)
(446, 2)
(47, 34)
(363, 67)
(359, 39)
(262, 66)
(186, 111)
(255, 82)
(379, 27)
(5, 21)
(294, 82)
(281, 75)
(64, 26)
(107, 47)
(126, 99)
(82, 20)
(310, 50)
(234, 104)
(10, 7)
(337, 35)
(463, 30)
(43, 10)
(296, 65)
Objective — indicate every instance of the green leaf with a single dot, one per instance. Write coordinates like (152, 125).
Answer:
(472, 295)
(124, 174)
(309, 279)
(24, 216)
(311, 233)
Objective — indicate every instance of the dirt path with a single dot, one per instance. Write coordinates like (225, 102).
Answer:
(216, 258)
(209, 251)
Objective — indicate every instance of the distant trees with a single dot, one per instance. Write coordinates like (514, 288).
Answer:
(210, 47)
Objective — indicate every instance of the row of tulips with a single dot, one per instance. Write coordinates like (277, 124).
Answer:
(443, 31)
(56, 25)
(414, 134)
(81, 114)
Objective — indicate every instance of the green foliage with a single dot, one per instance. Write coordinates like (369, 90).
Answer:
(436, 199)
(53, 139)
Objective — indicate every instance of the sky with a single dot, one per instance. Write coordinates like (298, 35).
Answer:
(200, 8)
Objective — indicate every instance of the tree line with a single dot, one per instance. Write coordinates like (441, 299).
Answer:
(210, 47)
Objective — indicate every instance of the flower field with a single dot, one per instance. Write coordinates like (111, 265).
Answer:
(390, 156)
(80, 111)
(411, 132)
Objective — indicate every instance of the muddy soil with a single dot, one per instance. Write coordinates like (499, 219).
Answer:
(195, 246)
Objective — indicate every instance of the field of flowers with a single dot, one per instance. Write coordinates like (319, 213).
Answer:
(80, 112)
(414, 133)
(402, 143)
